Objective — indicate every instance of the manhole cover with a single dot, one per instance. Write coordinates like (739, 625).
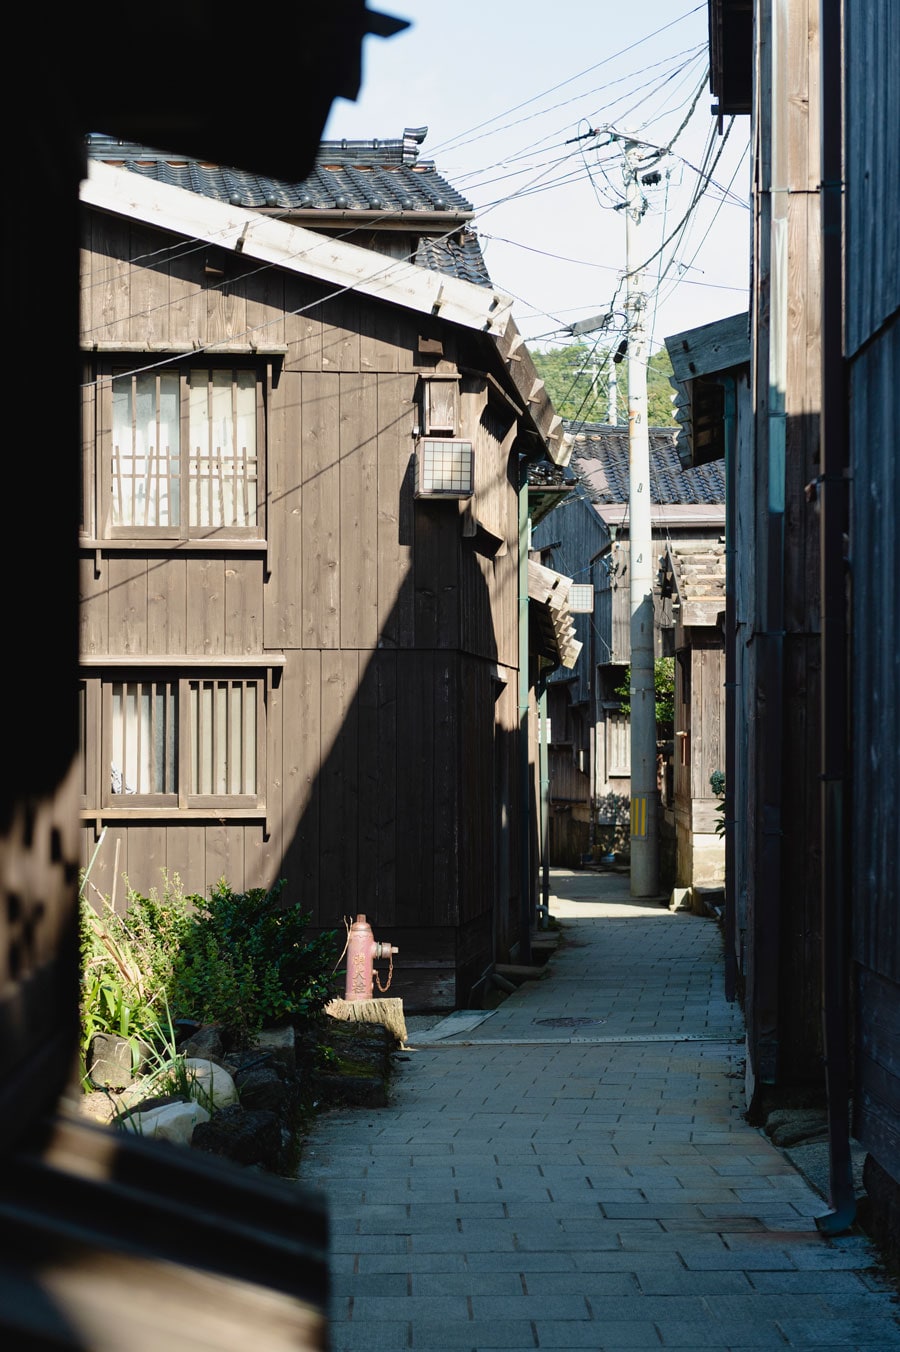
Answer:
(567, 1023)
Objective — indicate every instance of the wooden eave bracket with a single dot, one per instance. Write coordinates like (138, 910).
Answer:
(515, 343)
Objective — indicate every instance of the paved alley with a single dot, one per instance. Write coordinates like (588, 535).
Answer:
(573, 1170)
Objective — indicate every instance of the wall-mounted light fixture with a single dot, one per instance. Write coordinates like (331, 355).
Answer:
(445, 468)
(581, 598)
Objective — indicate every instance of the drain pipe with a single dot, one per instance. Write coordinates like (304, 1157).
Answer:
(526, 880)
(730, 429)
(543, 909)
(833, 522)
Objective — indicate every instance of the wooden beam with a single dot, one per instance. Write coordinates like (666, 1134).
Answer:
(335, 262)
(259, 661)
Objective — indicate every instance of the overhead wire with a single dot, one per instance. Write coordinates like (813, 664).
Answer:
(722, 202)
(653, 84)
(184, 249)
(468, 136)
(551, 175)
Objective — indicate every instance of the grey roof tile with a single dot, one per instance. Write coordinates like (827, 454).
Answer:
(370, 176)
(600, 461)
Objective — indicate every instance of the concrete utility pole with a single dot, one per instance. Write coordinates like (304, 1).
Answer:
(644, 824)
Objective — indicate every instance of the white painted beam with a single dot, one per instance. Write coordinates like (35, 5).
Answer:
(334, 262)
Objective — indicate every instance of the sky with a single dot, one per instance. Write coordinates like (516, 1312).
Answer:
(521, 100)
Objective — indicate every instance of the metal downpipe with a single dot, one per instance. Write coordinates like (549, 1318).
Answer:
(833, 522)
(526, 880)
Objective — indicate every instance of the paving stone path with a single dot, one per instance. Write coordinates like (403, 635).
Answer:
(574, 1170)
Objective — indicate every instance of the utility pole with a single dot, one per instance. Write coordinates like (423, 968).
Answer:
(644, 823)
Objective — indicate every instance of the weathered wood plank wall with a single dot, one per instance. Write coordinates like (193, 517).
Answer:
(872, 346)
(778, 530)
(386, 735)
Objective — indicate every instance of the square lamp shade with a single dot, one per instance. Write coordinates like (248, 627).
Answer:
(444, 468)
(581, 598)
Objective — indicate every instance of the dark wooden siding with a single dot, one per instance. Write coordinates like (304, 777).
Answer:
(873, 167)
(875, 417)
(390, 628)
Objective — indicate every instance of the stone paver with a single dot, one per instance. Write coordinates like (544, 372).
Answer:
(574, 1170)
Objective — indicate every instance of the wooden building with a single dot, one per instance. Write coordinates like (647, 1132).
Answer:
(79, 1206)
(862, 428)
(777, 928)
(692, 577)
(819, 871)
(711, 376)
(586, 537)
(301, 582)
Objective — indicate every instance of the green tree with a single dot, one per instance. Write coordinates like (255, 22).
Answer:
(664, 685)
(576, 379)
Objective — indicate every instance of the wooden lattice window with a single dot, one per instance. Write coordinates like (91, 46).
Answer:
(173, 742)
(224, 717)
(223, 466)
(141, 728)
(181, 452)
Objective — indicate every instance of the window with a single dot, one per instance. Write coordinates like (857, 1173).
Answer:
(142, 721)
(181, 452)
(168, 742)
(618, 745)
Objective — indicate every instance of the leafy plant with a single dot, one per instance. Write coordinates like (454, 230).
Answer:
(664, 687)
(116, 997)
(246, 962)
(241, 959)
(717, 784)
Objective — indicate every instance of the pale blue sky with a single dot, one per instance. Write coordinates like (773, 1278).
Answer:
(503, 86)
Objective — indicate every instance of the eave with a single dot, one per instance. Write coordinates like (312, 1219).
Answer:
(551, 618)
(542, 500)
(346, 267)
(701, 360)
(258, 237)
(731, 56)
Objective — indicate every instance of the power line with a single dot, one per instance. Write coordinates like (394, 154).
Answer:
(452, 141)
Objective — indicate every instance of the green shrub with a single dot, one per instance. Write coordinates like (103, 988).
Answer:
(664, 691)
(245, 961)
(240, 959)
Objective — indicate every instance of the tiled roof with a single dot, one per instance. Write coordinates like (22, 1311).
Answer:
(349, 176)
(459, 256)
(600, 461)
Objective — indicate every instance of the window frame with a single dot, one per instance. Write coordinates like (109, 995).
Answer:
(96, 703)
(118, 366)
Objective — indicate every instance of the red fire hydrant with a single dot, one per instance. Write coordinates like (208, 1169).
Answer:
(362, 950)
